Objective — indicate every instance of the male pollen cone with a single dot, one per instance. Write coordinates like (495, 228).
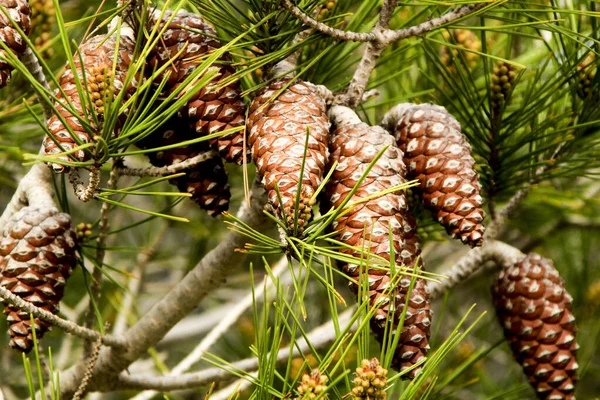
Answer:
(37, 255)
(278, 130)
(438, 155)
(98, 54)
(534, 309)
(367, 226)
(214, 108)
(20, 13)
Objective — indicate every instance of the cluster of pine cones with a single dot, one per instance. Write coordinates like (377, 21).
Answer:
(294, 144)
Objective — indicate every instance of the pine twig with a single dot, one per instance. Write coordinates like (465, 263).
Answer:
(55, 320)
(96, 284)
(32, 64)
(326, 29)
(219, 329)
(168, 169)
(501, 254)
(85, 192)
(90, 368)
(319, 338)
(34, 188)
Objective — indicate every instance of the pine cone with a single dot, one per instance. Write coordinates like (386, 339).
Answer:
(37, 255)
(213, 109)
(20, 12)
(370, 381)
(277, 137)
(439, 156)
(354, 147)
(534, 309)
(98, 54)
(207, 181)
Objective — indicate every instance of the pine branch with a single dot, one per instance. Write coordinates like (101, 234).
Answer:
(206, 277)
(32, 64)
(34, 188)
(474, 262)
(67, 326)
(326, 29)
(168, 169)
(221, 328)
(318, 338)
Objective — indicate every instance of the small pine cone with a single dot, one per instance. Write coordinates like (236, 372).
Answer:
(20, 12)
(212, 109)
(37, 255)
(207, 182)
(367, 225)
(463, 39)
(370, 381)
(586, 73)
(438, 155)
(98, 54)
(534, 309)
(503, 82)
(312, 386)
(277, 137)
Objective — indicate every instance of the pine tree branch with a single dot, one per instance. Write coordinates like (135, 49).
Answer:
(96, 284)
(385, 37)
(67, 326)
(501, 254)
(210, 273)
(318, 338)
(169, 169)
(32, 64)
(326, 29)
(221, 328)
(34, 188)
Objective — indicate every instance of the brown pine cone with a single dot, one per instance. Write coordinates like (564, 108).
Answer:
(213, 109)
(367, 226)
(98, 54)
(207, 182)
(20, 12)
(37, 255)
(277, 137)
(439, 156)
(534, 309)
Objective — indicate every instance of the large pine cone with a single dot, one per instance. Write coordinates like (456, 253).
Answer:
(213, 109)
(534, 309)
(439, 156)
(207, 182)
(98, 54)
(367, 226)
(20, 12)
(37, 255)
(277, 137)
